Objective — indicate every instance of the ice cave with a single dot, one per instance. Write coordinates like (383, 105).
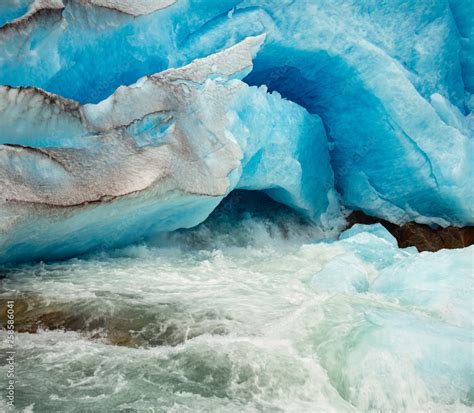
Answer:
(237, 205)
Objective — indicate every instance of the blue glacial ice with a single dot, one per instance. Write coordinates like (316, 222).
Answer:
(386, 89)
(367, 260)
(11, 9)
(154, 157)
(408, 315)
(463, 13)
(124, 119)
(364, 250)
(356, 68)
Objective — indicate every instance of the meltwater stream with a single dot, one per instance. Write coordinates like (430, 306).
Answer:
(249, 312)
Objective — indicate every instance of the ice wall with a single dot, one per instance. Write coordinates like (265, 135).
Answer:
(384, 86)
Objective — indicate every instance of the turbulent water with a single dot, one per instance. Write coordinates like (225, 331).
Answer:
(230, 317)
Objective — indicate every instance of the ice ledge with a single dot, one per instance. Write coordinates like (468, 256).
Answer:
(45, 111)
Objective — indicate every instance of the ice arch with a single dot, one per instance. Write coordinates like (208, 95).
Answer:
(400, 150)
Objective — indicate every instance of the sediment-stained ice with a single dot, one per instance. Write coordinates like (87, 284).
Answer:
(124, 119)
(155, 156)
(386, 87)
(376, 73)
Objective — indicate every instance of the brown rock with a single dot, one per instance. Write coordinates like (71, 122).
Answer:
(421, 236)
(129, 327)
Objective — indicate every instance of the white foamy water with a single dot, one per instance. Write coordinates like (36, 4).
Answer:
(245, 320)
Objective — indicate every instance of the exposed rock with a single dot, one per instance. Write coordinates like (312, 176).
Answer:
(140, 326)
(423, 237)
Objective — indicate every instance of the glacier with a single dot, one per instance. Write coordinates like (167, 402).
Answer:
(155, 156)
(182, 190)
(384, 89)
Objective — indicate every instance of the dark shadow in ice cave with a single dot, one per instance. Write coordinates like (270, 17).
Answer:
(238, 218)
(355, 118)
